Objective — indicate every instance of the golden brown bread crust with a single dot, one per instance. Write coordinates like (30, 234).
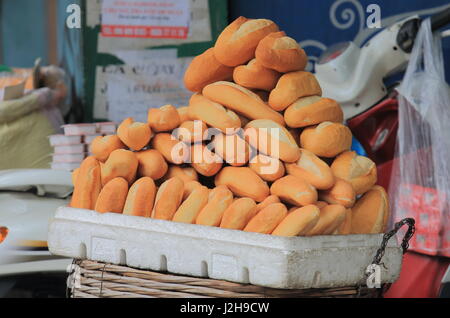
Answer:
(112, 197)
(189, 187)
(267, 219)
(267, 201)
(164, 118)
(346, 227)
(331, 217)
(341, 193)
(312, 169)
(186, 174)
(281, 53)
(121, 163)
(134, 134)
(88, 185)
(298, 222)
(232, 149)
(168, 199)
(151, 164)
(294, 191)
(268, 168)
(220, 198)
(141, 197)
(291, 87)
(101, 147)
(205, 69)
(183, 112)
(238, 179)
(204, 161)
(237, 43)
(238, 214)
(191, 207)
(313, 110)
(173, 151)
(191, 131)
(371, 212)
(242, 101)
(255, 76)
(327, 139)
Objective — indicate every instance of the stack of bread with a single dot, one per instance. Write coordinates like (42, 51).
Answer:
(252, 78)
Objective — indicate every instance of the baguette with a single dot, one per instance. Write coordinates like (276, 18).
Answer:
(121, 163)
(204, 161)
(255, 76)
(267, 219)
(101, 147)
(237, 43)
(298, 222)
(140, 198)
(341, 193)
(370, 214)
(220, 198)
(238, 214)
(186, 174)
(174, 151)
(191, 207)
(268, 168)
(205, 69)
(134, 134)
(242, 101)
(346, 227)
(112, 197)
(232, 149)
(151, 164)
(281, 53)
(291, 87)
(168, 199)
(294, 191)
(327, 139)
(88, 185)
(331, 217)
(164, 118)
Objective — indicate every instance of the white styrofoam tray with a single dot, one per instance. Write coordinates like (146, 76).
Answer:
(195, 250)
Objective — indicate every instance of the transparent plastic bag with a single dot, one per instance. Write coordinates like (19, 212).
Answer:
(420, 181)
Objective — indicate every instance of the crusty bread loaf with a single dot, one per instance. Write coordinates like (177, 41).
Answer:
(191, 131)
(281, 53)
(331, 217)
(141, 197)
(183, 112)
(370, 214)
(291, 87)
(191, 207)
(168, 199)
(312, 169)
(214, 114)
(220, 198)
(101, 147)
(233, 149)
(174, 151)
(237, 43)
(268, 168)
(205, 69)
(164, 118)
(327, 139)
(88, 185)
(243, 182)
(151, 164)
(112, 197)
(298, 222)
(267, 219)
(121, 163)
(255, 76)
(313, 110)
(341, 193)
(238, 214)
(189, 187)
(267, 201)
(272, 139)
(242, 101)
(360, 171)
(185, 173)
(294, 191)
(134, 134)
(346, 227)
(204, 161)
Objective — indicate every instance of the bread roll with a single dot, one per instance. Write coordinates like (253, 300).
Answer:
(239, 179)
(134, 134)
(191, 207)
(204, 161)
(140, 198)
(370, 214)
(186, 174)
(255, 76)
(331, 217)
(281, 53)
(272, 139)
(101, 147)
(205, 69)
(233, 149)
(346, 227)
(294, 191)
(191, 131)
(341, 193)
(238, 214)
(242, 101)
(164, 118)
(268, 168)
(291, 87)
(220, 198)
(183, 112)
(298, 222)
(189, 187)
(88, 185)
(151, 164)
(267, 219)
(312, 169)
(237, 43)
(214, 114)
(121, 163)
(168, 199)
(360, 171)
(313, 110)
(173, 151)
(327, 139)
(112, 197)
(267, 201)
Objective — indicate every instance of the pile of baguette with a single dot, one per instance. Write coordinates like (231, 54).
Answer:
(252, 78)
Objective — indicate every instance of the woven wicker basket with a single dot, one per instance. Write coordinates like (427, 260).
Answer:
(93, 279)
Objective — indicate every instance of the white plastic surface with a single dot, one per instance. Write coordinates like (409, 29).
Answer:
(195, 250)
